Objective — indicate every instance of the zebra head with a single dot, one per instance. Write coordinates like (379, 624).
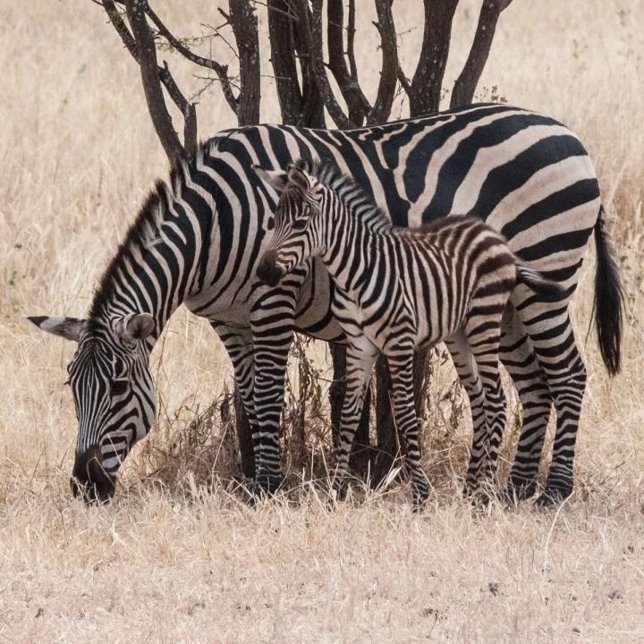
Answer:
(113, 394)
(295, 236)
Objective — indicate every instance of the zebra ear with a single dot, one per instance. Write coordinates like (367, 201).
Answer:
(275, 178)
(68, 328)
(299, 177)
(136, 327)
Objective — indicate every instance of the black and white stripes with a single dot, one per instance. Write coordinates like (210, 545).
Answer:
(397, 290)
(198, 241)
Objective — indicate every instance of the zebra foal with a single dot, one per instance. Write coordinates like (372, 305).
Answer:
(398, 290)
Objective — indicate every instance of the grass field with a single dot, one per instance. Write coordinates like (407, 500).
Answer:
(176, 556)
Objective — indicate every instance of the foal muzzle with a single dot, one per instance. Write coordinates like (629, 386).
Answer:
(268, 271)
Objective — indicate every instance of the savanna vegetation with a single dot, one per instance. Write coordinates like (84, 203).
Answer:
(178, 556)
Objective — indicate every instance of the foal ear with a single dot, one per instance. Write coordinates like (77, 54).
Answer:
(299, 177)
(275, 178)
(136, 327)
(69, 328)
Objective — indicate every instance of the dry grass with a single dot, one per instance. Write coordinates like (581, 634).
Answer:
(177, 557)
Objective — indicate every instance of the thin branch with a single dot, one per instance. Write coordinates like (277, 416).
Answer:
(220, 70)
(403, 80)
(389, 71)
(190, 139)
(351, 32)
(121, 28)
(465, 84)
(146, 56)
(357, 103)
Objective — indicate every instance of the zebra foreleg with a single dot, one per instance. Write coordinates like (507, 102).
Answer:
(402, 385)
(361, 357)
(239, 346)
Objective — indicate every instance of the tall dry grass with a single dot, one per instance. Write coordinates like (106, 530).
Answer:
(177, 556)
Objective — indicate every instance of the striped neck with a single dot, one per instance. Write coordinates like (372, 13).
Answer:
(351, 229)
(159, 263)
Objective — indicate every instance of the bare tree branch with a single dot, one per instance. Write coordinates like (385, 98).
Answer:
(312, 104)
(388, 74)
(244, 23)
(357, 103)
(146, 54)
(351, 32)
(188, 110)
(426, 83)
(312, 34)
(220, 70)
(121, 28)
(465, 84)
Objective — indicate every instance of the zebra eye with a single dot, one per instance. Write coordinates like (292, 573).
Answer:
(118, 388)
(270, 224)
(300, 224)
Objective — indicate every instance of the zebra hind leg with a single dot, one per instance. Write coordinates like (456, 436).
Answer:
(555, 348)
(518, 357)
(402, 384)
(484, 341)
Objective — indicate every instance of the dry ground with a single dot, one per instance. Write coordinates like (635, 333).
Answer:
(173, 559)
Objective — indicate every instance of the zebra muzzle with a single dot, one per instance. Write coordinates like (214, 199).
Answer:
(90, 480)
(268, 271)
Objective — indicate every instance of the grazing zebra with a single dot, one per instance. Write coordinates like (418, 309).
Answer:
(397, 290)
(198, 239)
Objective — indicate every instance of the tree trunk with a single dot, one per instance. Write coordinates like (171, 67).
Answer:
(466, 83)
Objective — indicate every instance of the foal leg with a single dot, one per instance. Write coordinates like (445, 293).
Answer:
(484, 341)
(402, 383)
(467, 371)
(361, 356)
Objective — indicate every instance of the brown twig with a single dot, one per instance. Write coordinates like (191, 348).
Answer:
(147, 58)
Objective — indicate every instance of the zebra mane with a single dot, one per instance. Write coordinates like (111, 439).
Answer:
(350, 192)
(145, 230)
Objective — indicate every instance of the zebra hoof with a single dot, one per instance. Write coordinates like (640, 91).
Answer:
(517, 490)
(340, 488)
(266, 485)
(554, 495)
(419, 501)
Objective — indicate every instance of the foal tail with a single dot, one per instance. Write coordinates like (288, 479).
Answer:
(538, 282)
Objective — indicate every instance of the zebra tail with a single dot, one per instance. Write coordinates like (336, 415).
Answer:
(609, 298)
(539, 283)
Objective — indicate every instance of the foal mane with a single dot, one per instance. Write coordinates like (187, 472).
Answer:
(358, 202)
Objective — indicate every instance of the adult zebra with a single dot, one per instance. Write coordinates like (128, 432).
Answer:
(198, 241)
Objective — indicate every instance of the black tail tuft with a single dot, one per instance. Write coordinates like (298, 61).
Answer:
(609, 299)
